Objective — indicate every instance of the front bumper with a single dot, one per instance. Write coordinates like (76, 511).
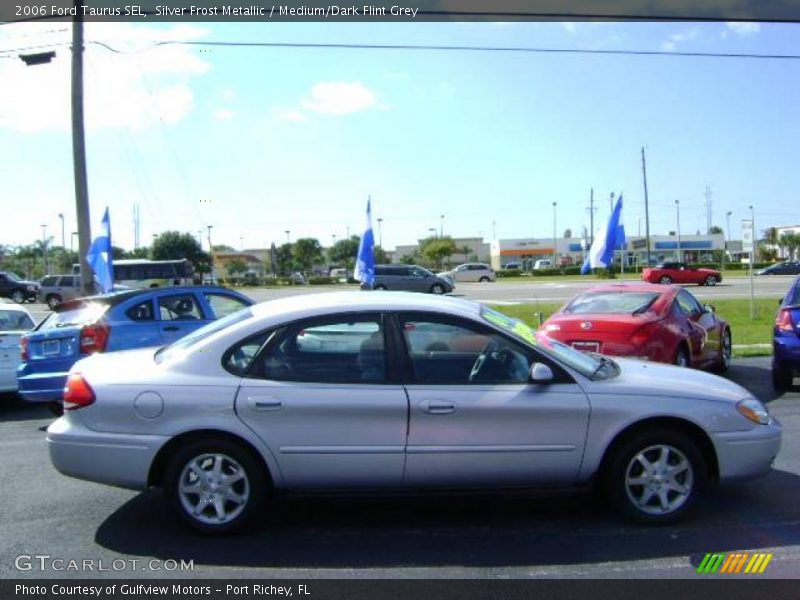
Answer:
(747, 454)
(121, 460)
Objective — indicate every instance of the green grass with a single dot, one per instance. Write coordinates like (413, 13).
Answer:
(736, 311)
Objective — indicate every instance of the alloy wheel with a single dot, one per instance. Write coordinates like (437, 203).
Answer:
(659, 480)
(213, 488)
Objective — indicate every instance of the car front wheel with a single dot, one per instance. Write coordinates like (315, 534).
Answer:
(437, 289)
(17, 296)
(725, 352)
(665, 280)
(655, 476)
(711, 280)
(215, 486)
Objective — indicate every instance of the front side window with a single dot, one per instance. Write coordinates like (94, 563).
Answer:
(457, 352)
(687, 303)
(346, 349)
(420, 272)
(179, 308)
(49, 281)
(223, 305)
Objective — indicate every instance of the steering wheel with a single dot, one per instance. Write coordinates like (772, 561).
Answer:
(491, 348)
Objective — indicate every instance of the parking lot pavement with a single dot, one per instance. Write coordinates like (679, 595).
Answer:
(491, 535)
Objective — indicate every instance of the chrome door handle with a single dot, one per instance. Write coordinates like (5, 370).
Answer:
(264, 403)
(437, 407)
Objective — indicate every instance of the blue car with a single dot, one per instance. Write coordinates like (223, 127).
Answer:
(786, 339)
(116, 321)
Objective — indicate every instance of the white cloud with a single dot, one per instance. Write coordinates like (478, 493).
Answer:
(133, 89)
(744, 29)
(340, 98)
(223, 114)
(671, 44)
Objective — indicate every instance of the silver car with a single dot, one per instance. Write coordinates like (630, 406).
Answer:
(471, 273)
(348, 390)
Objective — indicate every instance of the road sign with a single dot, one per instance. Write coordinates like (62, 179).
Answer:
(747, 236)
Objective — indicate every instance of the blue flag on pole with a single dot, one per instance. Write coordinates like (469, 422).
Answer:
(611, 238)
(365, 261)
(99, 256)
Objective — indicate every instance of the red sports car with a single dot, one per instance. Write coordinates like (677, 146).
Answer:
(649, 322)
(675, 272)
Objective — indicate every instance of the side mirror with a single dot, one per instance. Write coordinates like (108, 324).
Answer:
(541, 373)
(709, 308)
(780, 301)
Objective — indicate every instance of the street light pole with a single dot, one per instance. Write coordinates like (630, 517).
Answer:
(554, 234)
(380, 233)
(287, 232)
(646, 209)
(44, 250)
(441, 226)
(752, 254)
(728, 245)
(63, 235)
(678, 209)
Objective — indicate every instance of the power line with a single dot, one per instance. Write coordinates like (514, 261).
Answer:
(429, 48)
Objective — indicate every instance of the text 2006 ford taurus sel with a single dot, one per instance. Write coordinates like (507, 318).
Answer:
(350, 391)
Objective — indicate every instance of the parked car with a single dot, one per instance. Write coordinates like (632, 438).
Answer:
(409, 278)
(54, 289)
(786, 339)
(343, 391)
(789, 267)
(14, 322)
(542, 264)
(657, 323)
(676, 272)
(470, 272)
(19, 290)
(512, 265)
(111, 322)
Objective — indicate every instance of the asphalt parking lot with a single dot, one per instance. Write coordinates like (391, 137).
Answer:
(490, 535)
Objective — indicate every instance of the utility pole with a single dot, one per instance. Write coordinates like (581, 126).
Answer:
(678, 209)
(79, 153)
(554, 235)
(591, 216)
(44, 250)
(752, 256)
(708, 209)
(646, 208)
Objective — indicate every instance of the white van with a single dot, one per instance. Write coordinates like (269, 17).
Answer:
(542, 264)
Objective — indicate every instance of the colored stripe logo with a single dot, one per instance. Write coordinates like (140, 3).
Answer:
(736, 562)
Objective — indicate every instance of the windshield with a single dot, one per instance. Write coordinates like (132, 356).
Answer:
(14, 320)
(586, 364)
(611, 303)
(12, 276)
(182, 345)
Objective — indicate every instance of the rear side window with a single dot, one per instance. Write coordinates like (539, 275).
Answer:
(67, 281)
(78, 316)
(179, 308)
(141, 312)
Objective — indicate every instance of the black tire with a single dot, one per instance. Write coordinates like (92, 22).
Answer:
(781, 378)
(725, 352)
(53, 300)
(437, 289)
(380, 288)
(18, 296)
(484, 280)
(679, 490)
(710, 281)
(56, 407)
(682, 358)
(665, 280)
(251, 484)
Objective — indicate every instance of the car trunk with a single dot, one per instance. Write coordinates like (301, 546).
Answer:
(594, 332)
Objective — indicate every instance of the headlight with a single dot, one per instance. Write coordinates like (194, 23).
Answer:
(752, 409)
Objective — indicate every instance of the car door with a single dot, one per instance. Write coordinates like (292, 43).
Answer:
(322, 396)
(700, 327)
(179, 314)
(475, 418)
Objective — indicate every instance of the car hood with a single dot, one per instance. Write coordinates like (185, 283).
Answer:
(648, 379)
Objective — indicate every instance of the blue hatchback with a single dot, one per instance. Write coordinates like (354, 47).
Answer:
(786, 339)
(117, 321)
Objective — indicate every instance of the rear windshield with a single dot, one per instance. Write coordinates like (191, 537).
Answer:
(80, 315)
(183, 344)
(795, 293)
(14, 320)
(611, 303)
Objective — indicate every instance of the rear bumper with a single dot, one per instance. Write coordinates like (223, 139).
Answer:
(786, 352)
(121, 460)
(747, 454)
(41, 387)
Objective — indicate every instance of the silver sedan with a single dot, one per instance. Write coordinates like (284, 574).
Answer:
(347, 391)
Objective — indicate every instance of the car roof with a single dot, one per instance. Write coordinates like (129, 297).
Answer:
(365, 301)
(114, 298)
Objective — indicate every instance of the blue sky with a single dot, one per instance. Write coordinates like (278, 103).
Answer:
(258, 141)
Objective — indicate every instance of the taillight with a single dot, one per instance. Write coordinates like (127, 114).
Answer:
(783, 322)
(23, 349)
(77, 393)
(94, 338)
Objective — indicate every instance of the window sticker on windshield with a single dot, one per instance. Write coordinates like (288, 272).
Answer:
(515, 326)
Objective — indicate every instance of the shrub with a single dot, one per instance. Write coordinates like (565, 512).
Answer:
(322, 280)
(509, 272)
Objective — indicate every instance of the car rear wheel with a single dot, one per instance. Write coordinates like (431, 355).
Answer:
(655, 476)
(215, 486)
(665, 280)
(53, 300)
(379, 287)
(711, 280)
(484, 280)
(681, 357)
(781, 378)
(437, 289)
(17, 296)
